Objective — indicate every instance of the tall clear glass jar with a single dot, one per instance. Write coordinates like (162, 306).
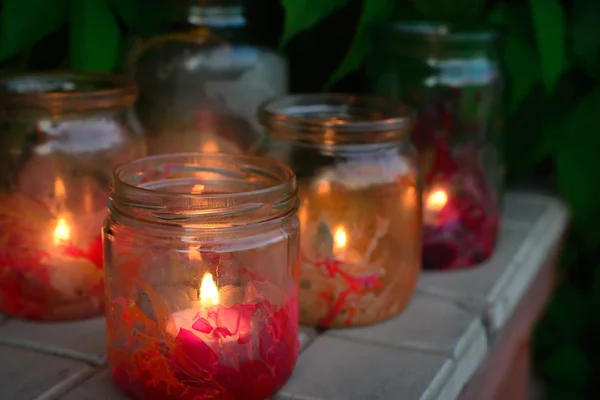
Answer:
(360, 210)
(61, 136)
(203, 80)
(452, 78)
(202, 277)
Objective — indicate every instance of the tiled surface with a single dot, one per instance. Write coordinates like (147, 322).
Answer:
(496, 286)
(26, 375)
(99, 387)
(85, 337)
(429, 323)
(340, 369)
(428, 352)
(523, 208)
(470, 287)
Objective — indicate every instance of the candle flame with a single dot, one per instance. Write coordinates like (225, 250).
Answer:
(194, 253)
(209, 146)
(60, 191)
(198, 189)
(323, 188)
(437, 200)
(340, 238)
(209, 294)
(62, 232)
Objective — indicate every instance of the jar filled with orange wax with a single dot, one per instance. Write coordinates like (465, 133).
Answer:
(360, 207)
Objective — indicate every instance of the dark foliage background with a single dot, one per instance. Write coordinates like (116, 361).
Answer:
(551, 50)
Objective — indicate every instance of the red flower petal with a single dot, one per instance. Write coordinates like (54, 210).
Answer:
(278, 344)
(202, 325)
(192, 354)
(222, 332)
(254, 381)
(259, 378)
(95, 252)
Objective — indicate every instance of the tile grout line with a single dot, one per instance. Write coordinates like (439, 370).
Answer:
(68, 384)
(515, 225)
(407, 345)
(465, 301)
(93, 360)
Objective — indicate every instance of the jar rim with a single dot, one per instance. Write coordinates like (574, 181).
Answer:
(336, 119)
(67, 90)
(140, 190)
(435, 30)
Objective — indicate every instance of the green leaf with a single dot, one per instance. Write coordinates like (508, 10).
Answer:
(301, 15)
(95, 36)
(595, 299)
(519, 52)
(562, 391)
(523, 66)
(450, 10)
(127, 10)
(24, 22)
(568, 364)
(374, 11)
(549, 23)
(585, 35)
(577, 161)
(558, 109)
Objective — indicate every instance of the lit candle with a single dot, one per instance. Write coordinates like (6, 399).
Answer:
(435, 202)
(209, 320)
(340, 241)
(342, 250)
(209, 145)
(71, 272)
(62, 232)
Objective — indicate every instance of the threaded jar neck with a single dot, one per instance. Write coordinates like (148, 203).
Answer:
(66, 92)
(336, 120)
(202, 191)
(209, 13)
(429, 38)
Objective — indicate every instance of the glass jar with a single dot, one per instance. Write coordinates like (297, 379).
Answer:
(202, 82)
(360, 211)
(61, 136)
(202, 277)
(452, 79)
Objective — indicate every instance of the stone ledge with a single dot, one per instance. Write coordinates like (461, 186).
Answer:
(429, 324)
(542, 241)
(340, 369)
